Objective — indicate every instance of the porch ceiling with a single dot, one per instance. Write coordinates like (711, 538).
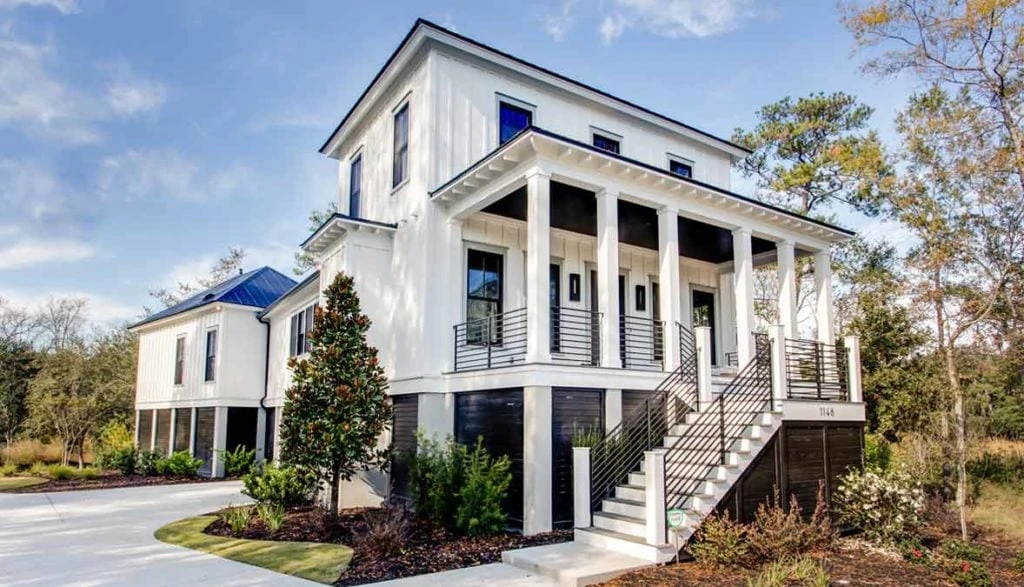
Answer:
(490, 180)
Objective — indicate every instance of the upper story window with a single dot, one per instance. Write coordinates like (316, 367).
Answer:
(484, 299)
(512, 118)
(400, 169)
(179, 360)
(211, 355)
(301, 326)
(355, 186)
(682, 168)
(607, 142)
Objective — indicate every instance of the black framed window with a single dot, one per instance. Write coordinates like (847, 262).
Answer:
(555, 293)
(301, 326)
(400, 169)
(211, 355)
(179, 360)
(355, 186)
(606, 143)
(680, 168)
(511, 120)
(484, 293)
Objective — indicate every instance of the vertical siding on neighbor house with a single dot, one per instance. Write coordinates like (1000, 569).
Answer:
(279, 376)
(163, 431)
(205, 419)
(497, 416)
(571, 410)
(241, 368)
(182, 428)
(155, 381)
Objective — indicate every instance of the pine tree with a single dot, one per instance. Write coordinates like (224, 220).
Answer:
(338, 404)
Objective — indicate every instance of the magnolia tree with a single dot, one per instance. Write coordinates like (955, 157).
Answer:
(337, 405)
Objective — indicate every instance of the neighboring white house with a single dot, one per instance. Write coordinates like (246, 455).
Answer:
(540, 257)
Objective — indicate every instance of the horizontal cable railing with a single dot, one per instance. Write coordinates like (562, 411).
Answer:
(816, 370)
(646, 425)
(495, 341)
(732, 359)
(640, 342)
(575, 336)
(716, 428)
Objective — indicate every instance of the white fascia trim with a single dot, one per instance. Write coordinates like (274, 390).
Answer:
(191, 314)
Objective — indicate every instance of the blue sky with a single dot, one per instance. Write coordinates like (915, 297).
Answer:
(139, 140)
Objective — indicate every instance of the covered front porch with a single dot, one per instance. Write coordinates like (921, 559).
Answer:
(575, 256)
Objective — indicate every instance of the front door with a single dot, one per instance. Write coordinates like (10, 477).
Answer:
(704, 315)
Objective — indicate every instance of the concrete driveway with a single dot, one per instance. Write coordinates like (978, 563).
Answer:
(105, 537)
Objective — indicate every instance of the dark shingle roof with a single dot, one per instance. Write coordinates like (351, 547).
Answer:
(257, 288)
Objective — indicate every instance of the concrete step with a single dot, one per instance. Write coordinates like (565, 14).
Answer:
(631, 492)
(574, 564)
(638, 479)
(621, 524)
(625, 507)
(624, 544)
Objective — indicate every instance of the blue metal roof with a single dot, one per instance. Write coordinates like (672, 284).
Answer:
(306, 281)
(257, 288)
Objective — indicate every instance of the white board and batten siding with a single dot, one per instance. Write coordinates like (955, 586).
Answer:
(279, 375)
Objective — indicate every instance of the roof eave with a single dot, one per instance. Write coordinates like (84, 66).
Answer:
(337, 225)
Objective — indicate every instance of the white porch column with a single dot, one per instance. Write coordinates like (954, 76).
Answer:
(823, 296)
(261, 434)
(668, 281)
(777, 334)
(538, 261)
(192, 432)
(702, 334)
(220, 440)
(853, 382)
(743, 264)
(581, 486)
(537, 513)
(152, 431)
(612, 408)
(654, 493)
(787, 287)
(174, 426)
(608, 276)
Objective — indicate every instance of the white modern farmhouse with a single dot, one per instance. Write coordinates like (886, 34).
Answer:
(541, 258)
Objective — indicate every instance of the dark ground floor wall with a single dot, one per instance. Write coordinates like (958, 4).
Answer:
(197, 431)
(797, 461)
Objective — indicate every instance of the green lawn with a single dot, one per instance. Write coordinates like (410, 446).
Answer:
(13, 483)
(322, 563)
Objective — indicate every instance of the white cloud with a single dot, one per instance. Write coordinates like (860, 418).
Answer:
(101, 310)
(167, 174)
(62, 6)
(29, 252)
(127, 98)
(558, 25)
(677, 18)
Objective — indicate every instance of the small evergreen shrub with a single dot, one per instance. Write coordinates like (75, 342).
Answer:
(115, 437)
(60, 472)
(87, 473)
(779, 533)
(272, 514)
(238, 462)
(8, 470)
(283, 486)
(915, 552)
(788, 571)
(887, 506)
(38, 469)
(386, 530)
(721, 542)
(181, 464)
(877, 452)
(962, 551)
(480, 510)
(237, 518)
(971, 574)
(1018, 563)
(585, 436)
(150, 463)
(123, 460)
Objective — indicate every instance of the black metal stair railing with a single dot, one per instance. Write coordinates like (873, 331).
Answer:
(498, 340)
(816, 370)
(713, 432)
(622, 448)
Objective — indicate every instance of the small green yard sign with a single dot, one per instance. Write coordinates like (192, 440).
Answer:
(675, 518)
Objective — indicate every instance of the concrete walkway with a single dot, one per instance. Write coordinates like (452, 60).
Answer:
(105, 537)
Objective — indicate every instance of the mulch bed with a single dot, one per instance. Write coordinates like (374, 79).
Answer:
(427, 548)
(108, 481)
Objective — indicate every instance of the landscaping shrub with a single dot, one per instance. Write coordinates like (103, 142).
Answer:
(237, 518)
(887, 506)
(23, 453)
(181, 464)
(60, 472)
(721, 542)
(970, 574)
(779, 533)
(38, 469)
(484, 490)
(587, 436)
(877, 452)
(788, 571)
(115, 438)
(238, 462)
(962, 551)
(283, 486)
(272, 514)
(123, 460)
(87, 473)
(436, 474)
(8, 470)
(386, 531)
(150, 463)
(1003, 469)
(1018, 563)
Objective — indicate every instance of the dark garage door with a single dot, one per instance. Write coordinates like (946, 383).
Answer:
(145, 432)
(182, 427)
(205, 418)
(632, 399)
(403, 435)
(572, 409)
(242, 424)
(497, 416)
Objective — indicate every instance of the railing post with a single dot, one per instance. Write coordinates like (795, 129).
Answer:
(818, 372)
(489, 340)
(581, 486)
(853, 381)
(654, 490)
(777, 336)
(703, 339)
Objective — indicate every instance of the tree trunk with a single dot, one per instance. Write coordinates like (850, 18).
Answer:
(335, 493)
(960, 420)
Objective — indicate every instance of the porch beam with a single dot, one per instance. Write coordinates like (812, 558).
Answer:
(743, 265)
(608, 276)
(538, 260)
